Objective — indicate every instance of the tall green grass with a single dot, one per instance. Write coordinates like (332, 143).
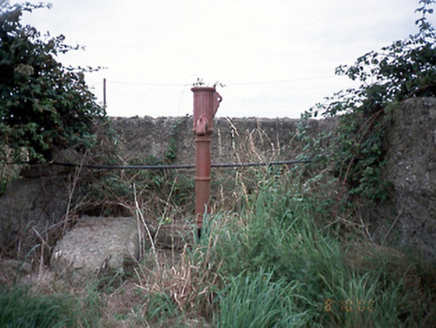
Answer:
(257, 300)
(276, 248)
(20, 306)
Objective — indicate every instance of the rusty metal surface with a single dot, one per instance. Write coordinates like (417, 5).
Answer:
(202, 177)
(206, 103)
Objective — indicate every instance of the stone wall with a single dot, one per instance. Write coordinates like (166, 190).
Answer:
(32, 205)
(408, 218)
(35, 206)
(234, 139)
(411, 215)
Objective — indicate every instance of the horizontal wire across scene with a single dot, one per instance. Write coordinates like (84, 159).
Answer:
(183, 166)
(152, 84)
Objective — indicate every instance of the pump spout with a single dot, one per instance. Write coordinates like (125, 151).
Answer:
(202, 125)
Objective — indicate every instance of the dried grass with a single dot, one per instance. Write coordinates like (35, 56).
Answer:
(189, 276)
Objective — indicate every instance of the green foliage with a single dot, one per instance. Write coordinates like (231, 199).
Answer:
(257, 300)
(42, 103)
(272, 265)
(160, 308)
(110, 192)
(171, 152)
(276, 248)
(22, 307)
(356, 152)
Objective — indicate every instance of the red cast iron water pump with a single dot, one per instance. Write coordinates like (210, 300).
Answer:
(206, 103)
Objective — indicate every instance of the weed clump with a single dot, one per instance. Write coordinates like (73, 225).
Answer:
(21, 306)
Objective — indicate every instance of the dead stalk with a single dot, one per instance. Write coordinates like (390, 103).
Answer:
(253, 147)
(139, 215)
(393, 224)
(71, 191)
(41, 259)
(366, 229)
(167, 204)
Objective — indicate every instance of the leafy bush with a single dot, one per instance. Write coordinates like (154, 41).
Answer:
(356, 152)
(42, 103)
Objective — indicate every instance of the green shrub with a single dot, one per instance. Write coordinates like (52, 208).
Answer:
(355, 152)
(42, 103)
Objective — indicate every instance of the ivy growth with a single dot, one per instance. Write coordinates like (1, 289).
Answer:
(171, 152)
(356, 152)
(42, 103)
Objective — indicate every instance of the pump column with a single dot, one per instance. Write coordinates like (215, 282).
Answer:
(206, 103)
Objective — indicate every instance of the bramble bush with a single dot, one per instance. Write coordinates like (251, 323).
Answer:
(356, 152)
(43, 104)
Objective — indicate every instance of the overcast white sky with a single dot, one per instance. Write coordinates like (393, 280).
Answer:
(277, 58)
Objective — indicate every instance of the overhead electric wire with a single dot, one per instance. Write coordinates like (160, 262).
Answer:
(153, 84)
(150, 84)
(284, 81)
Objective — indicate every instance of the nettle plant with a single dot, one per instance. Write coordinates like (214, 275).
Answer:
(42, 103)
(355, 151)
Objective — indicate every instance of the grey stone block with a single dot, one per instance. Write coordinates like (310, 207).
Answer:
(97, 247)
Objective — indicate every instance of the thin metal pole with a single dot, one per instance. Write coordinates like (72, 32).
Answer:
(104, 93)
